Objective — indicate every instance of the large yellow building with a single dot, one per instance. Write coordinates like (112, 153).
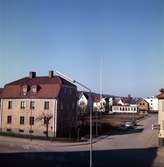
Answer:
(27, 104)
(161, 117)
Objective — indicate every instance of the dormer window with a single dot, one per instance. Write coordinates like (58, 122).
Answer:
(34, 89)
(24, 90)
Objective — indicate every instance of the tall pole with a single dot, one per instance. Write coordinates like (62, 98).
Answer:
(101, 91)
(91, 129)
(90, 110)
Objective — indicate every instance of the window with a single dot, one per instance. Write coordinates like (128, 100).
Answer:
(65, 90)
(31, 131)
(9, 119)
(46, 105)
(163, 125)
(73, 106)
(9, 130)
(45, 120)
(24, 90)
(61, 106)
(21, 120)
(162, 105)
(44, 132)
(32, 105)
(22, 105)
(9, 104)
(70, 91)
(31, 121)
(34, 88)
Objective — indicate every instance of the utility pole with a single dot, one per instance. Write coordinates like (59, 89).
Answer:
(90, 109)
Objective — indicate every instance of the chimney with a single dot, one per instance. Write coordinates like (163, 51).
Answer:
(51, 74)
(32, 74)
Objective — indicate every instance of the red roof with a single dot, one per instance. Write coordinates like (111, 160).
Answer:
(161, 95)
(96, 99)
(48, 87)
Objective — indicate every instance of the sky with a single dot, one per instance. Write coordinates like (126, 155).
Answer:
(121, 39)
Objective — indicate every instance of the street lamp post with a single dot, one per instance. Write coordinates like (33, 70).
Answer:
(90, 109)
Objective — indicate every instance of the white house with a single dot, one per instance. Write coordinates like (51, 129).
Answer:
(153, 103)
(99, 104)
(110, 101)
(120, 102)
(125, 108)
(83, 102)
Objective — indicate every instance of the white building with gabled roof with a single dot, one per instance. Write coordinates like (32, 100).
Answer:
(153, 103)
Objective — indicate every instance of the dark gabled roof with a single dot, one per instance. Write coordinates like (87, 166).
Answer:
(80, 93)
(40, 80)
(135, 100)
(141, 99)
(48, 87)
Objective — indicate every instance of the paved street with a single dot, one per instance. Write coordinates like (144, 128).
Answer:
(136, 147)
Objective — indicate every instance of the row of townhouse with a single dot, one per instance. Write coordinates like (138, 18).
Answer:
(141, 105)
(27, 105)
(118, 105)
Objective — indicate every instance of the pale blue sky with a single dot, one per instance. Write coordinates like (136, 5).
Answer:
(72, 35)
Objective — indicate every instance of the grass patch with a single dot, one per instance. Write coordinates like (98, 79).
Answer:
(25, 136)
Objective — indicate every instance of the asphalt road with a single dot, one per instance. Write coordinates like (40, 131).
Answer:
(137, 148)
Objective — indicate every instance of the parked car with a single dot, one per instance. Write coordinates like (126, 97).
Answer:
(129, 124)
(126, 126)
(122, 127)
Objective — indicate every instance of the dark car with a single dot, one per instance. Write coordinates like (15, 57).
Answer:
(126, 126)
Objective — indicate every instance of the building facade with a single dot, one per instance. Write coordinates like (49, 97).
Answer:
(153, 103)
(143, 106)
(125, 109)
(28, 103)
(1, 90)
(82, 102)
(161, 117)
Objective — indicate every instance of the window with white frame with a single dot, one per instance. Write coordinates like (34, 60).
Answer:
(32, 104)
(22, 105)
(24, 90)
(34, 88)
